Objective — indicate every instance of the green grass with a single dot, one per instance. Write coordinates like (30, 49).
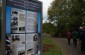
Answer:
(56, 50)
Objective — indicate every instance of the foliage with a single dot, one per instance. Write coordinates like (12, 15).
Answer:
(49, 28)
(67, 15)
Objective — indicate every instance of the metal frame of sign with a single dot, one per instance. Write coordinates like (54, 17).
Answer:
(3, 28)
(3, 25)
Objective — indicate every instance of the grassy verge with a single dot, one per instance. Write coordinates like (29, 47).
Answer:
(50, 47)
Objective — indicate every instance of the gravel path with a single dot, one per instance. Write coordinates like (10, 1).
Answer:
(68, 49)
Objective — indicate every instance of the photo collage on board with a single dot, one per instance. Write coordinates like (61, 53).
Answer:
(23, 39)
(18, 17)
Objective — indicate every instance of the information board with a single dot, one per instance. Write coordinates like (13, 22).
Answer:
(23, 27)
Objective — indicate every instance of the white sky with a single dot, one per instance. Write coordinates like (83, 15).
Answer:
(46, 4)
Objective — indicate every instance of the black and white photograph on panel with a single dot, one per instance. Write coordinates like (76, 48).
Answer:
(32, 44)
(18, 44)
(8, 44)
(18, 20)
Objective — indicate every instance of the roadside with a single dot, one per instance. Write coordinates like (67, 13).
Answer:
(66, 49)
(50, 47)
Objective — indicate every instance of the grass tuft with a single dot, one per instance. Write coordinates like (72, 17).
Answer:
(50, 47)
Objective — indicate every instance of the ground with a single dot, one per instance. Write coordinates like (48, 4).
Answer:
(50, 47)
(68, 49)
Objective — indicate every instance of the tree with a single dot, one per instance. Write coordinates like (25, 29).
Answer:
(49, 28)
(67, 14)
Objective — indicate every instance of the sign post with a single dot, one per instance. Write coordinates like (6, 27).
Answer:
(22, 32)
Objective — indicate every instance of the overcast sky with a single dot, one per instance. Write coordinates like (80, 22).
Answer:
(46, 4)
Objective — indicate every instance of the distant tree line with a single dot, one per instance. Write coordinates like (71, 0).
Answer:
(49, 28)
(66, 15)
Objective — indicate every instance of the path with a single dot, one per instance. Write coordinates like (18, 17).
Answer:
(66, 49)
